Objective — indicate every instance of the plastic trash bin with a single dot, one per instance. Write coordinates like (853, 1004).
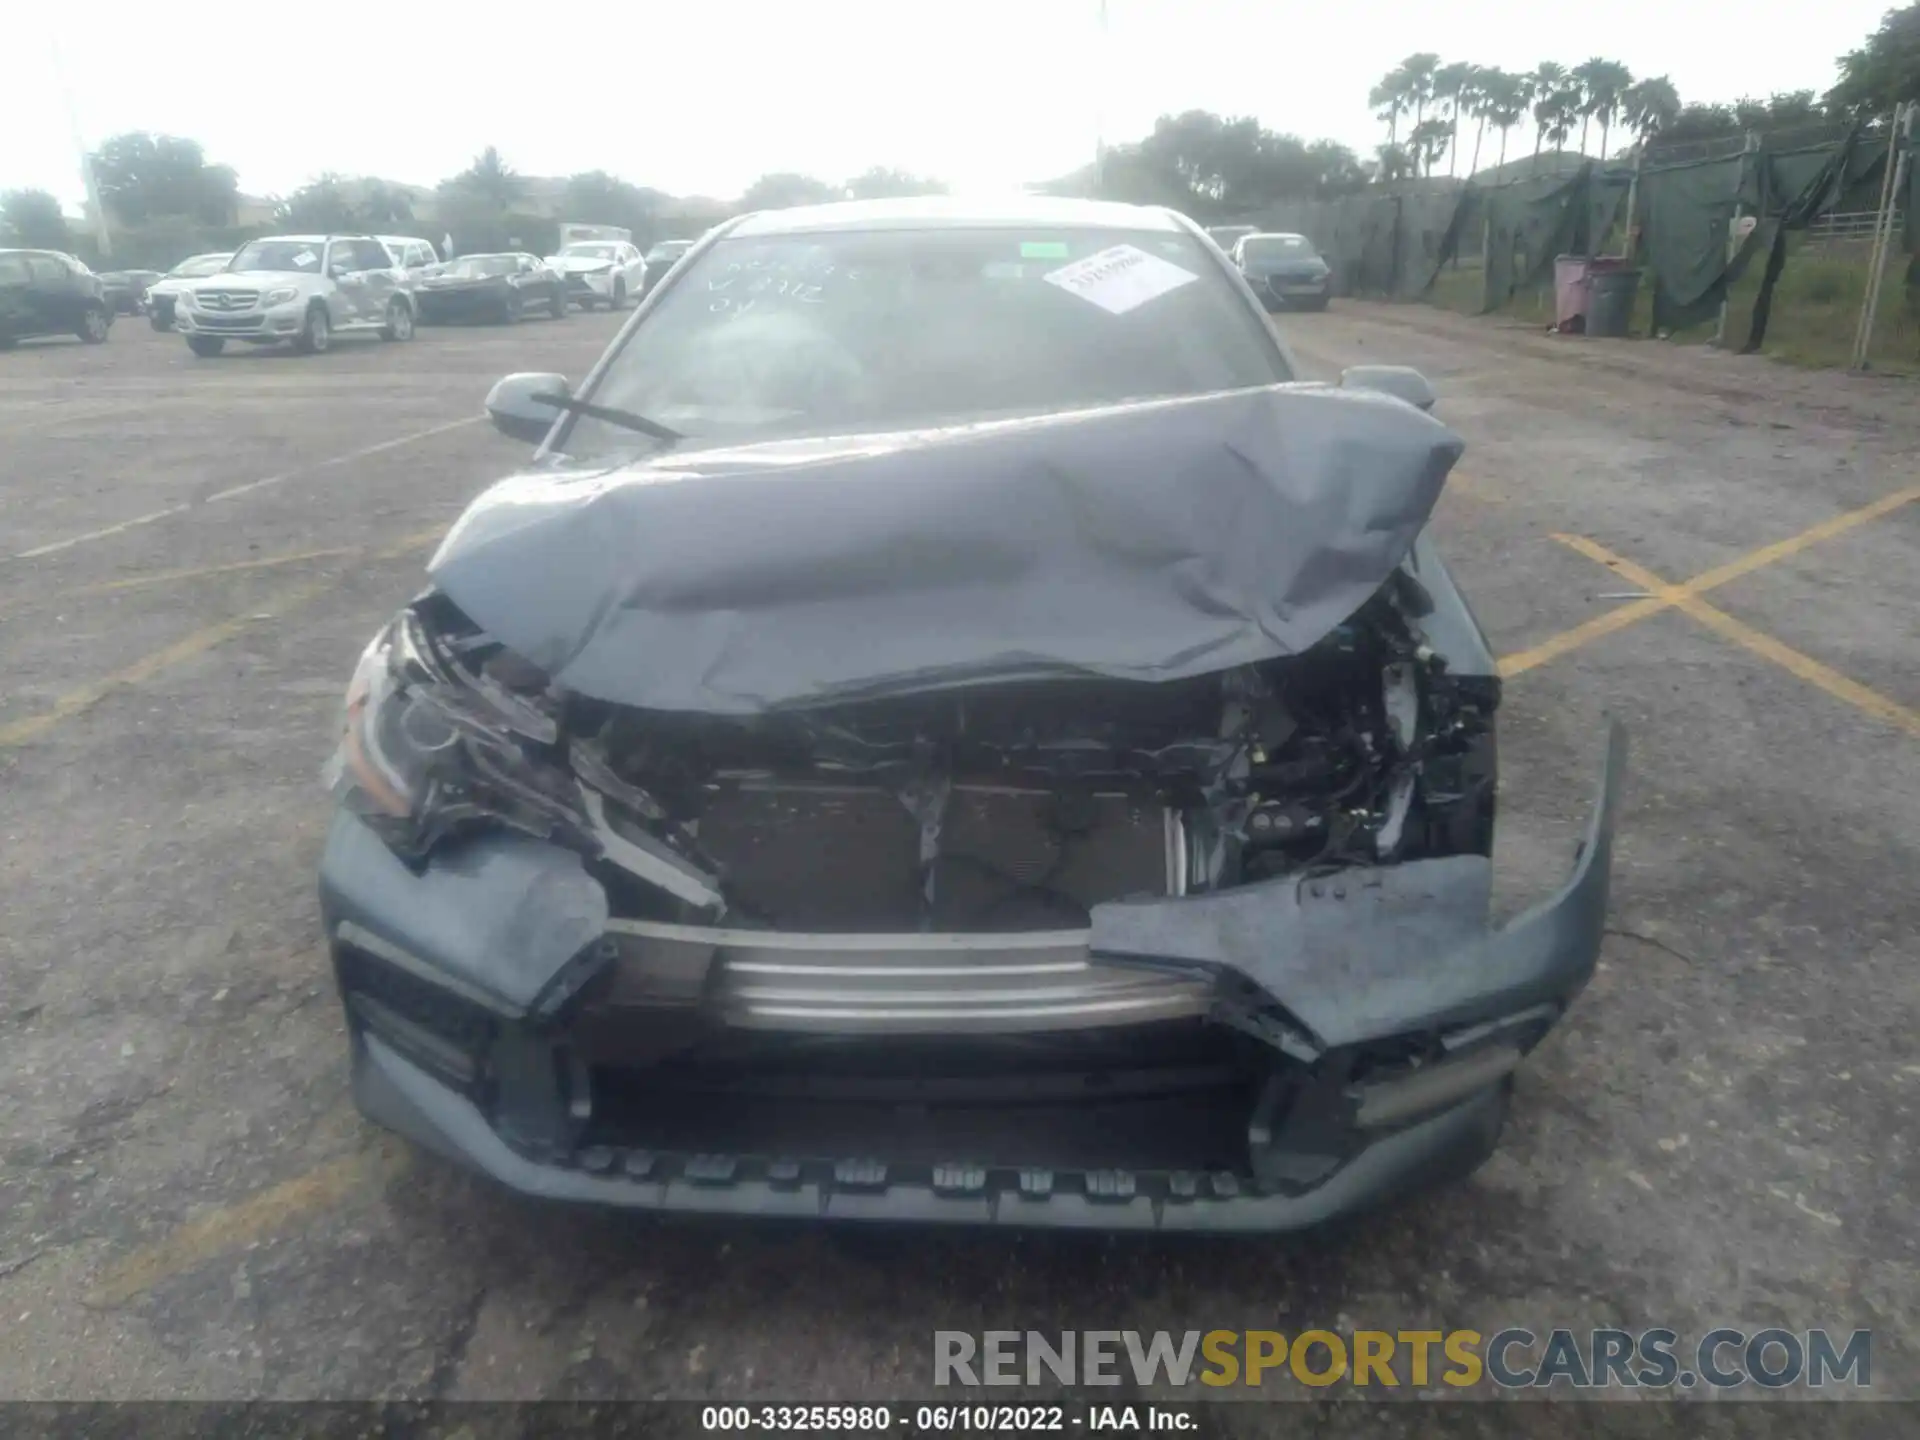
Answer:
(1572, 281)
(1611, 290)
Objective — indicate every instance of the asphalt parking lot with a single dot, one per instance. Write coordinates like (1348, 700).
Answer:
(192, 553)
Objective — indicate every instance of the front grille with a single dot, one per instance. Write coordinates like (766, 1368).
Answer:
(915, 983)
(228, 299)
(1149, 1097)
(204, 321)
(578, 282)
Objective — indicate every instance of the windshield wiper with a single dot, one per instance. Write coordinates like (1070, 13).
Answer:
(625, 419)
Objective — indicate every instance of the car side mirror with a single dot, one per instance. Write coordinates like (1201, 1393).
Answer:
(1402, 382)
(516, 408)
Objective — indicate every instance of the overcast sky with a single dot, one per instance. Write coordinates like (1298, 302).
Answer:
(703, 98)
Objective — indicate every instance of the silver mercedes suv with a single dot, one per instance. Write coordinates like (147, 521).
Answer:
(301, 290)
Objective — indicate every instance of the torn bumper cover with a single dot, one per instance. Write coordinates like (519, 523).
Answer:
(1392, 1015)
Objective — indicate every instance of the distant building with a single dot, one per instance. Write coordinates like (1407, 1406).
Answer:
(252, 211)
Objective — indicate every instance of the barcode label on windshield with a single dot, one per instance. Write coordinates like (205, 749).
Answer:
(1120, 278)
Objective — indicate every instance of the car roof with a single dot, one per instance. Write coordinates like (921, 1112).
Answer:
(317, 239)
(1273, 235)
(944, 212)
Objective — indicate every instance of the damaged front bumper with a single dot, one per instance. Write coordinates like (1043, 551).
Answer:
(1392, 1015)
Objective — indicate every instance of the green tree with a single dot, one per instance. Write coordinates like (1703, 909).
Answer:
(491, 178)
(597, 198)
(320, 206)
(1389, 100)
(1650, 107)
(1336, 169)
(783, 190)
(1416, 79)
(1784, 111)
(1452, 93)
(1884, 71)
(1602, 83)
(881, 183)
(1552, 99)
(383, 204)
(1428, 141)
(33, 219)
(141, 176)
(1391, 163)
(1503, 104)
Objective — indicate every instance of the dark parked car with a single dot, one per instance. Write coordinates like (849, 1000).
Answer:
(662, 258)
(948, 727)
(1285, 271)
(126, 290)
(43, 292)
(490, 287)
(1227, 236)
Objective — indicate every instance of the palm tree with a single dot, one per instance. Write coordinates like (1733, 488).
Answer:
(1417, 72)
(1649, 107)
(1450, 86)
(1389, 101)
(1602, 83)
(1503, 102)
(1545, 96)
(1428, 142)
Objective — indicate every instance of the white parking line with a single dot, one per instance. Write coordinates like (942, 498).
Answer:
(252, 485)
(40, 550)
(359, 454)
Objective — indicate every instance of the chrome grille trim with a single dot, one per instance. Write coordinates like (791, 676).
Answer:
(918, 984)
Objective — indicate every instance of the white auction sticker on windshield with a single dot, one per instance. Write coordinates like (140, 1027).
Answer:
(305, 258)
(1120, 278)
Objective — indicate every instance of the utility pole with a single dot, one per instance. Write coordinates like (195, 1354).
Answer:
(1899, 153)
(96, 210)
(1100, 108)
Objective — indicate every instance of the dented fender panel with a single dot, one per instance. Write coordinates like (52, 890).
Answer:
(1371, 952)
(500, 913)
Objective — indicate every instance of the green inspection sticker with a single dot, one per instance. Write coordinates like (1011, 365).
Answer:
(1043, 249)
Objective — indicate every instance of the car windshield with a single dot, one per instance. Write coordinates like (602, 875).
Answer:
(201, 265)
(669, 250)
(838, 332)
(479, 267)
(298, 255)
(592, 251)
(1265, 248)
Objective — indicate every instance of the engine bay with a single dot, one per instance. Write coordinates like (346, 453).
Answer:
(1016, 806)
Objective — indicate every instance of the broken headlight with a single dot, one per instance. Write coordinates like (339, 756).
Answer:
(428, 746)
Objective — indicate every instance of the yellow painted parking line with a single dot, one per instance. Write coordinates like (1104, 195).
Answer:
(234, 1227)
(1785, 656)
(21, 732)
(237, 567)
(1670, 595)
(202, 572)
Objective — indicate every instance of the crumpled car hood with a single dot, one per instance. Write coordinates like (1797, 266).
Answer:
(1150, 541)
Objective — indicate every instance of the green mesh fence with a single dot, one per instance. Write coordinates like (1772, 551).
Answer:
(1392, 242)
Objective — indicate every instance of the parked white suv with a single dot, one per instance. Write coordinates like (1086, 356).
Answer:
(605, 272)
(298, 289)
(410, 253)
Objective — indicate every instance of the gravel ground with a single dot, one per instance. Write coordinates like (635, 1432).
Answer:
(1722, 1132)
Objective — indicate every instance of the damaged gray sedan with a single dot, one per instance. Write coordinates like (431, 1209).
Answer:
(948, 727)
